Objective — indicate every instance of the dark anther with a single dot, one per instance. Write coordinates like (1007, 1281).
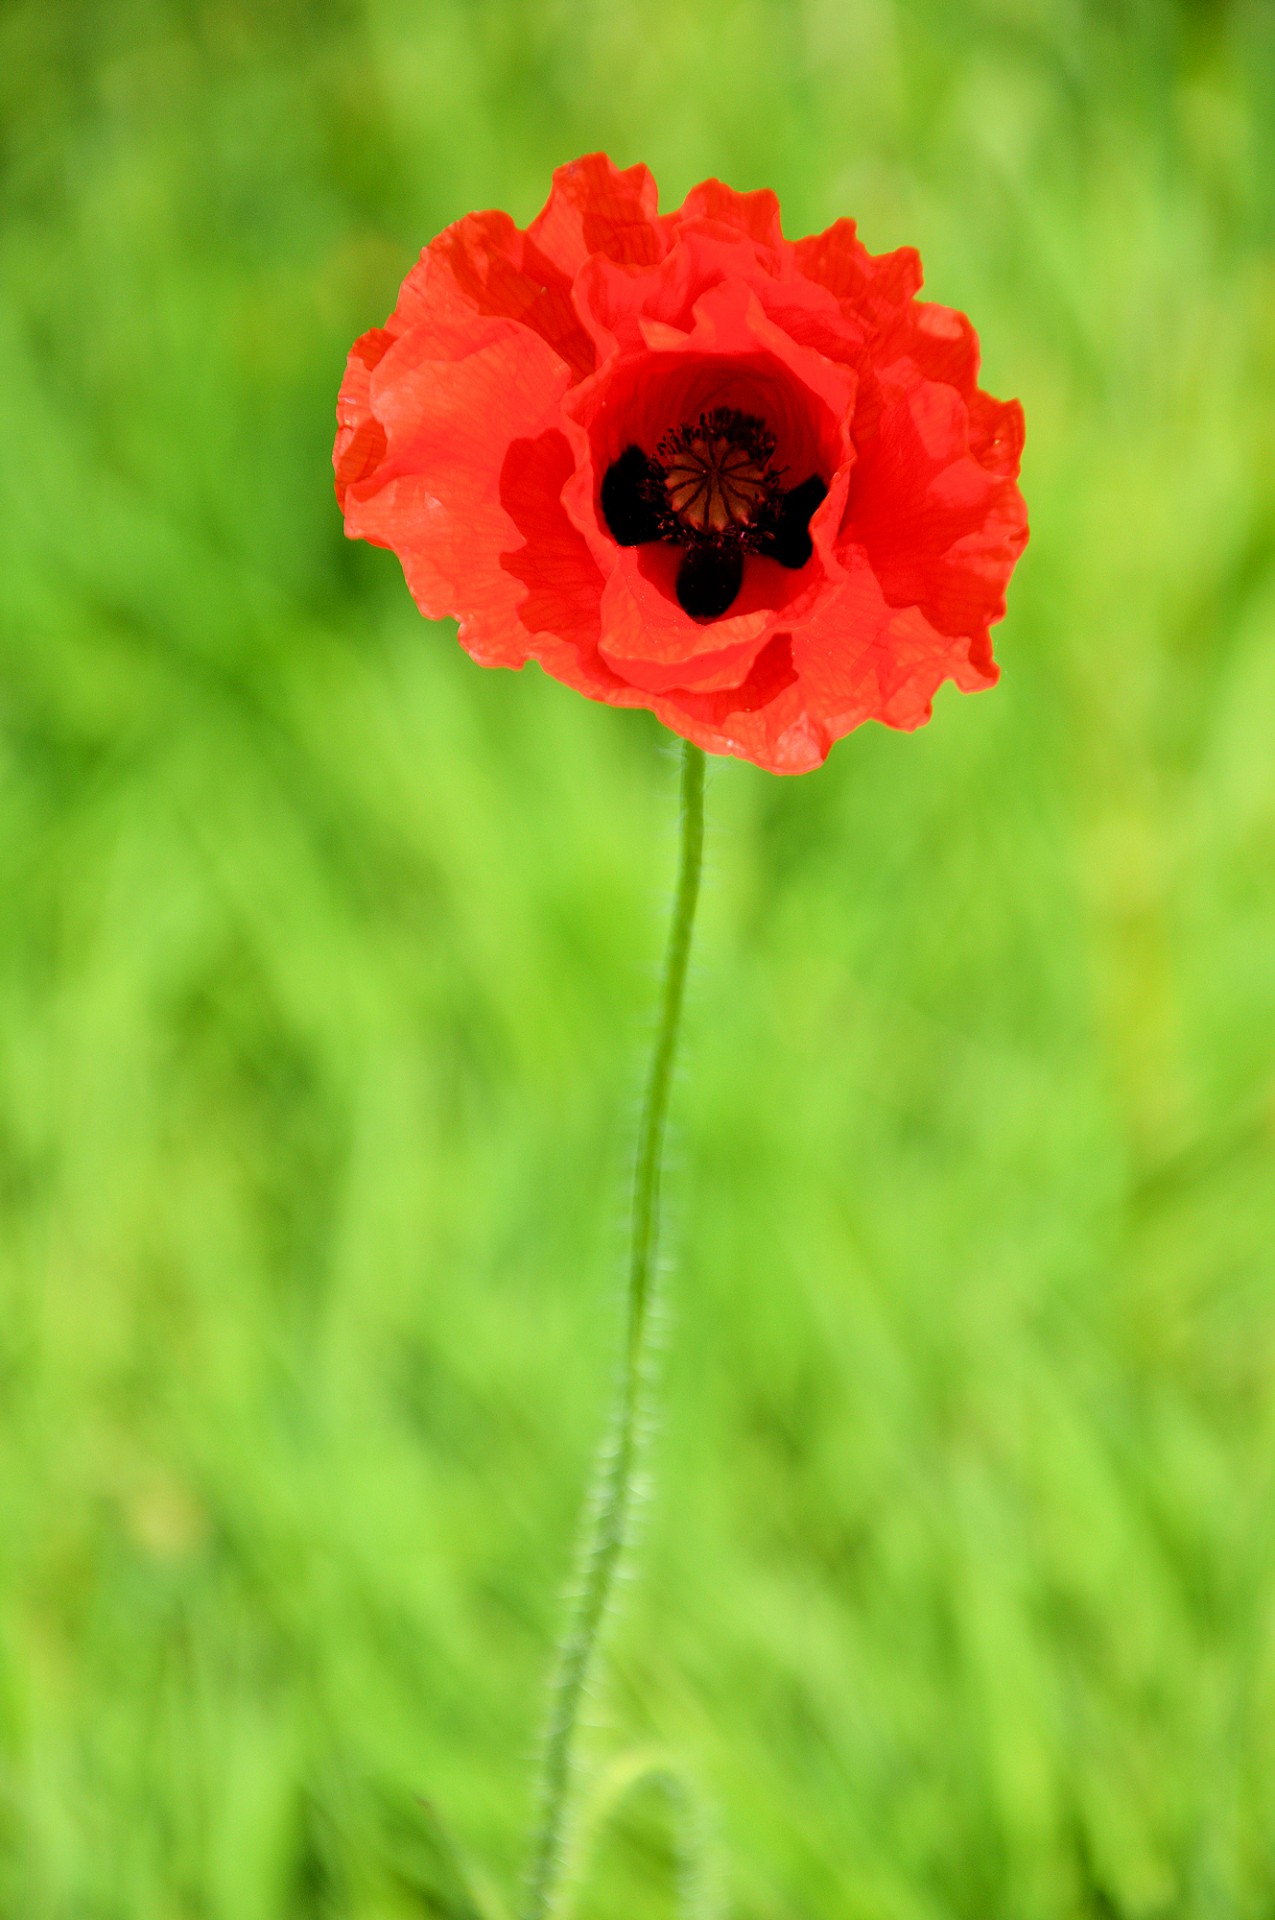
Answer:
(708, 580)
(789, 539)
(629, 491)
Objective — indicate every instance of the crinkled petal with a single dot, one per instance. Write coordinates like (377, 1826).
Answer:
(764, 719)
(859, 658)
(997, 432)
(563, 583)
(870, 288)
(942, 533)
(484, 265)
(360, 437)
(618, 307)
(595, 208)
(436, 496)
(613, 302)
(754, 214)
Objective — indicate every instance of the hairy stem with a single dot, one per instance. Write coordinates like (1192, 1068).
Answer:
(607, 1526)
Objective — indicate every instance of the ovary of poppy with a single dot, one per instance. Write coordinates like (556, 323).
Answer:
(687, 464)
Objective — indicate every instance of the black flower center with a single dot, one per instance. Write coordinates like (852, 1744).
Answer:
(714, 490)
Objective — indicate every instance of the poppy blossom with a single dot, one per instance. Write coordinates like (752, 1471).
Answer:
(688, 464)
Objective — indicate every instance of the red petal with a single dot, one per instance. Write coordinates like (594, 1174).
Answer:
(593, 207)
(563, 581)
(485, 265)
(940, 531)
(996, 434)
(765, 719)
(867, 283)
(436, 497)
(859, 658)
(360, 439)
(756, 214)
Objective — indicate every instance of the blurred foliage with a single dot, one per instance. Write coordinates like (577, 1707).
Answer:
(325, 967)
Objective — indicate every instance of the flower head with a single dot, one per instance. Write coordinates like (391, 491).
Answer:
(687, 464)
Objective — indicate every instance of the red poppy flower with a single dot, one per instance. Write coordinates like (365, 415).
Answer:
(687, 464)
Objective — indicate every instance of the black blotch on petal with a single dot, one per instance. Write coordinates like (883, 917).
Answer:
(626, 499)
(708, 580)
(790, 541)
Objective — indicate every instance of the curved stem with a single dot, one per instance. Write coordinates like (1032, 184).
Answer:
(607, 1527)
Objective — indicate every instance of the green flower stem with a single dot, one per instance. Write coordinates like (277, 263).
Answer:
(607, 1527)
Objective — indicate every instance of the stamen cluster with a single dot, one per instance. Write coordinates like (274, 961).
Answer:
(718, 477)
(713, 490)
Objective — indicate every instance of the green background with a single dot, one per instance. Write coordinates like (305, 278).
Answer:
(326, 969)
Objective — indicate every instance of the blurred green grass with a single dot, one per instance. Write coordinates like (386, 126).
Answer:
(326, 962)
